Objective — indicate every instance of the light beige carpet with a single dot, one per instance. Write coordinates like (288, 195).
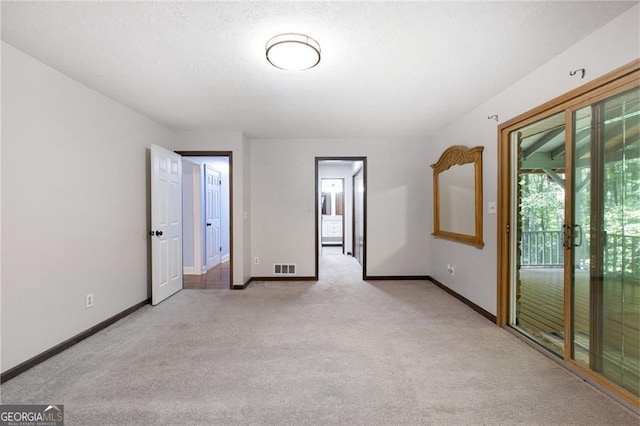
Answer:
(339, 351)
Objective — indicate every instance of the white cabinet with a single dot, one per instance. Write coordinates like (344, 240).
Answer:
(332, 229)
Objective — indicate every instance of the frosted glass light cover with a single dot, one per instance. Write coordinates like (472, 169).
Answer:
(295, 52)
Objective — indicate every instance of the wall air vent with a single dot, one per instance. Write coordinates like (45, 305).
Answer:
(284, 269)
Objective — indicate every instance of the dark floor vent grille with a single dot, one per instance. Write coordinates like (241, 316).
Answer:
(284, 269)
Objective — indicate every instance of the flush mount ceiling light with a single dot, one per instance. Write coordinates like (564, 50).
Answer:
(293, 52)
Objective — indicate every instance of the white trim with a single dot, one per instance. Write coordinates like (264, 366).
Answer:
(225, 258)
(187, 270)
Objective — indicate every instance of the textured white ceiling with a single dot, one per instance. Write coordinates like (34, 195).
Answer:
(388, 69)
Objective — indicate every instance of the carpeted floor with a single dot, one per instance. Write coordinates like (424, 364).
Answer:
(339, 351)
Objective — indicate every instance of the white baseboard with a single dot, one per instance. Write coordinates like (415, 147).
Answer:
(225, 258)
(190, 270)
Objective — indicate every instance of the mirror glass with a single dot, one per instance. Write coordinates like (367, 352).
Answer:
(457, 199)
(457, 195)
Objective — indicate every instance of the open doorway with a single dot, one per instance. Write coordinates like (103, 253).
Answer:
(332, 216)
(206, 221)
(341, 208)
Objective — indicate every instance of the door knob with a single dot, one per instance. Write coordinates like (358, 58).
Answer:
(208, 224)
(156, 233)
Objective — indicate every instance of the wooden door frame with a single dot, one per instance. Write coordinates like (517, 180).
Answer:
(317, 211)
(229, 155)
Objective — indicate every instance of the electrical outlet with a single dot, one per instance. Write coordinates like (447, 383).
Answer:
(450, 269)
(256, 260)
(88, 301)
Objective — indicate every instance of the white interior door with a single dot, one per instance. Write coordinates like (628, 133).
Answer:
(166, 223)
(213, 210)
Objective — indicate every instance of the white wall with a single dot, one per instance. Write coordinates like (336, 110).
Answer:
(1, 185)
(614, 45)
(187, 216)
(238, 145)
(74, 206)
(283, 202)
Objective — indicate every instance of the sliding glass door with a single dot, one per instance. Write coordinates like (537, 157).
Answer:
(539, 194)
(570, 243)
(606, 320)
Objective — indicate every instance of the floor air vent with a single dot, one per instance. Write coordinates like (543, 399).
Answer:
(284, 269)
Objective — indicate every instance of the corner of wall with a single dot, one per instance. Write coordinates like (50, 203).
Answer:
(246, 203)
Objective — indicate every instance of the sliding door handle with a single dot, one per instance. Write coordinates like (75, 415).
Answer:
(579, 229)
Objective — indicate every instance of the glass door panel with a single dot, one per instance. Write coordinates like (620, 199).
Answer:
(606, 255)
(538, 273)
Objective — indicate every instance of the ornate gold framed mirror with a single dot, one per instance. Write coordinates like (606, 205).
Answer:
(457, 195)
